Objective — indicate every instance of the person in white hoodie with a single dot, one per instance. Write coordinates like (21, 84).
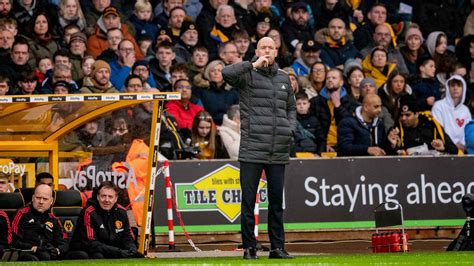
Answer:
(450, 111)
(229, 131)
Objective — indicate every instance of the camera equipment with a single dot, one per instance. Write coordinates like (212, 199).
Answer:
(468, 204)
(465, 240)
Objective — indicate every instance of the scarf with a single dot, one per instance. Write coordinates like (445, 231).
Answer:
(333, 44)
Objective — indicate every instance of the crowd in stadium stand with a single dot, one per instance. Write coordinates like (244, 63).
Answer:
(335, 53)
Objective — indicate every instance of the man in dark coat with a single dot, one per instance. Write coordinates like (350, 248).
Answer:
(363, 134)
(5, 232)
(268, 118)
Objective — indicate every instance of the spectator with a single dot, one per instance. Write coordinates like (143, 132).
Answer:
(142, 20)
(141, 68)
(121, 68)
(35, 229)
(188, 40)
(198, 62)
(363, 134)
(97, 42)
(263, 25)
(363, 35)
(284, 57)
(316, 79)
(99, 80)
(451, 113)
(9, 24)
(5, 229)
(161, 19)
(145, 43)
(242, 41)
(309, 135)
(329, 10)
(69, 30)
(103, 229)
(216, 95)
(86, 66)
(354, 78)
(425, 86)
(337, 47)
(4, 86)
(295, 84)
(23, 11)
(41, 42)
(468, 132)
(310, 52)
(367, 86)
(206, 21)
(43, 66)
(376, 66)
(27, 84)
(6, 42)
(469, 24)
(221, 32)
(331, 105)
(4, 188)
(161, 64)
(229, 131)
(114, 37)
(61, 87)
(178, 71)
(296, 28)
(418, 131)
(5, 8)
(77, 52)
(204, 137)
(229, 54)
(437, 46)
(133, 83)
(70, 12)
(395, 87)
(413, 49)
(59, 72)
(18, 61)
(183, 110)
(175, 21)
(383, 37)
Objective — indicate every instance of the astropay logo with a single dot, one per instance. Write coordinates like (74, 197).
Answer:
(12, 168)
(94, 177)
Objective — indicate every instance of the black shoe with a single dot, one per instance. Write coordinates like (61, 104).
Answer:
(279, 254)
(250, 254)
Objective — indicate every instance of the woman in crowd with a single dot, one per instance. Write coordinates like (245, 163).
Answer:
(354, 77)
(437, 45)
(41, 40)
(70, 12)
(376, 66)
(316, 79)
(395, 87)
(216, 95)
(284, 57)
(413, 48)
(204, 137)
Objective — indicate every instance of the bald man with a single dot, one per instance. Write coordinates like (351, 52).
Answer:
(268, 118)
(37, 230)
(363, 134)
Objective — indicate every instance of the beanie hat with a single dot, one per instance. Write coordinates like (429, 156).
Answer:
(98, 65)
(78, 36)
(187, 25)
(408, 103)
(62, 83)
(140, 63)
(351, 64)
(413, 31)
(366, 81)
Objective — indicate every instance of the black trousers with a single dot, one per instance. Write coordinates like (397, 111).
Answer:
(250, 174)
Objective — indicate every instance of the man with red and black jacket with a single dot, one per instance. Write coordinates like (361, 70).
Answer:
(103, 229)
(36, 229)
(5, 232)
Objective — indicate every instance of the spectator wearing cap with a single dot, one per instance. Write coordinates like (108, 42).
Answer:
(377, 15)
(331, 105)
(415, 129)
(142, 20)
(188, 40)
(376, 66)
(264, 22)
(99, 80)
(383, 37)
(310, 52)
(164, 35)
(121, 67)
(161, 64)
(413, 48)
(296, 28)
(141, 68)
(61, 87)
(367, 86)
(94, 9)
(77, 51)
(97, 42)
(337, 47)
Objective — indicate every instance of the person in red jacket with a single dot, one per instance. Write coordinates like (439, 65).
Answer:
(183, 110)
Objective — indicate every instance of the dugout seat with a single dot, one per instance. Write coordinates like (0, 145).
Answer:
(67, 206)
(10, 202)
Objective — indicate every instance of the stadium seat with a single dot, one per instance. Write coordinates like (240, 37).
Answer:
(67, 206)
(10, 202)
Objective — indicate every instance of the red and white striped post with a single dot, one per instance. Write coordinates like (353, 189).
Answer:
(169, 203)
(256, 212)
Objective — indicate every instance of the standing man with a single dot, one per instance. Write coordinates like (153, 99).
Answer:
(268, 117)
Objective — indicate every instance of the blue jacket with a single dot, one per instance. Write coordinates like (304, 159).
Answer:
(144, 28)
(469, 136)
(354, 136)
(217, 100)
(334, 56)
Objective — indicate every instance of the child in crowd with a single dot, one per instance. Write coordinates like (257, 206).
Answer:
(425, 87)
(44, 64)
(27, 83)
(309, 136)
(141, 20)
(444, 59)
(4, 85)
(204, 137)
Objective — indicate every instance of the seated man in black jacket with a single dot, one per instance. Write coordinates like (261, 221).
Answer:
(5, 232)
(36, 229)
(103, 229)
